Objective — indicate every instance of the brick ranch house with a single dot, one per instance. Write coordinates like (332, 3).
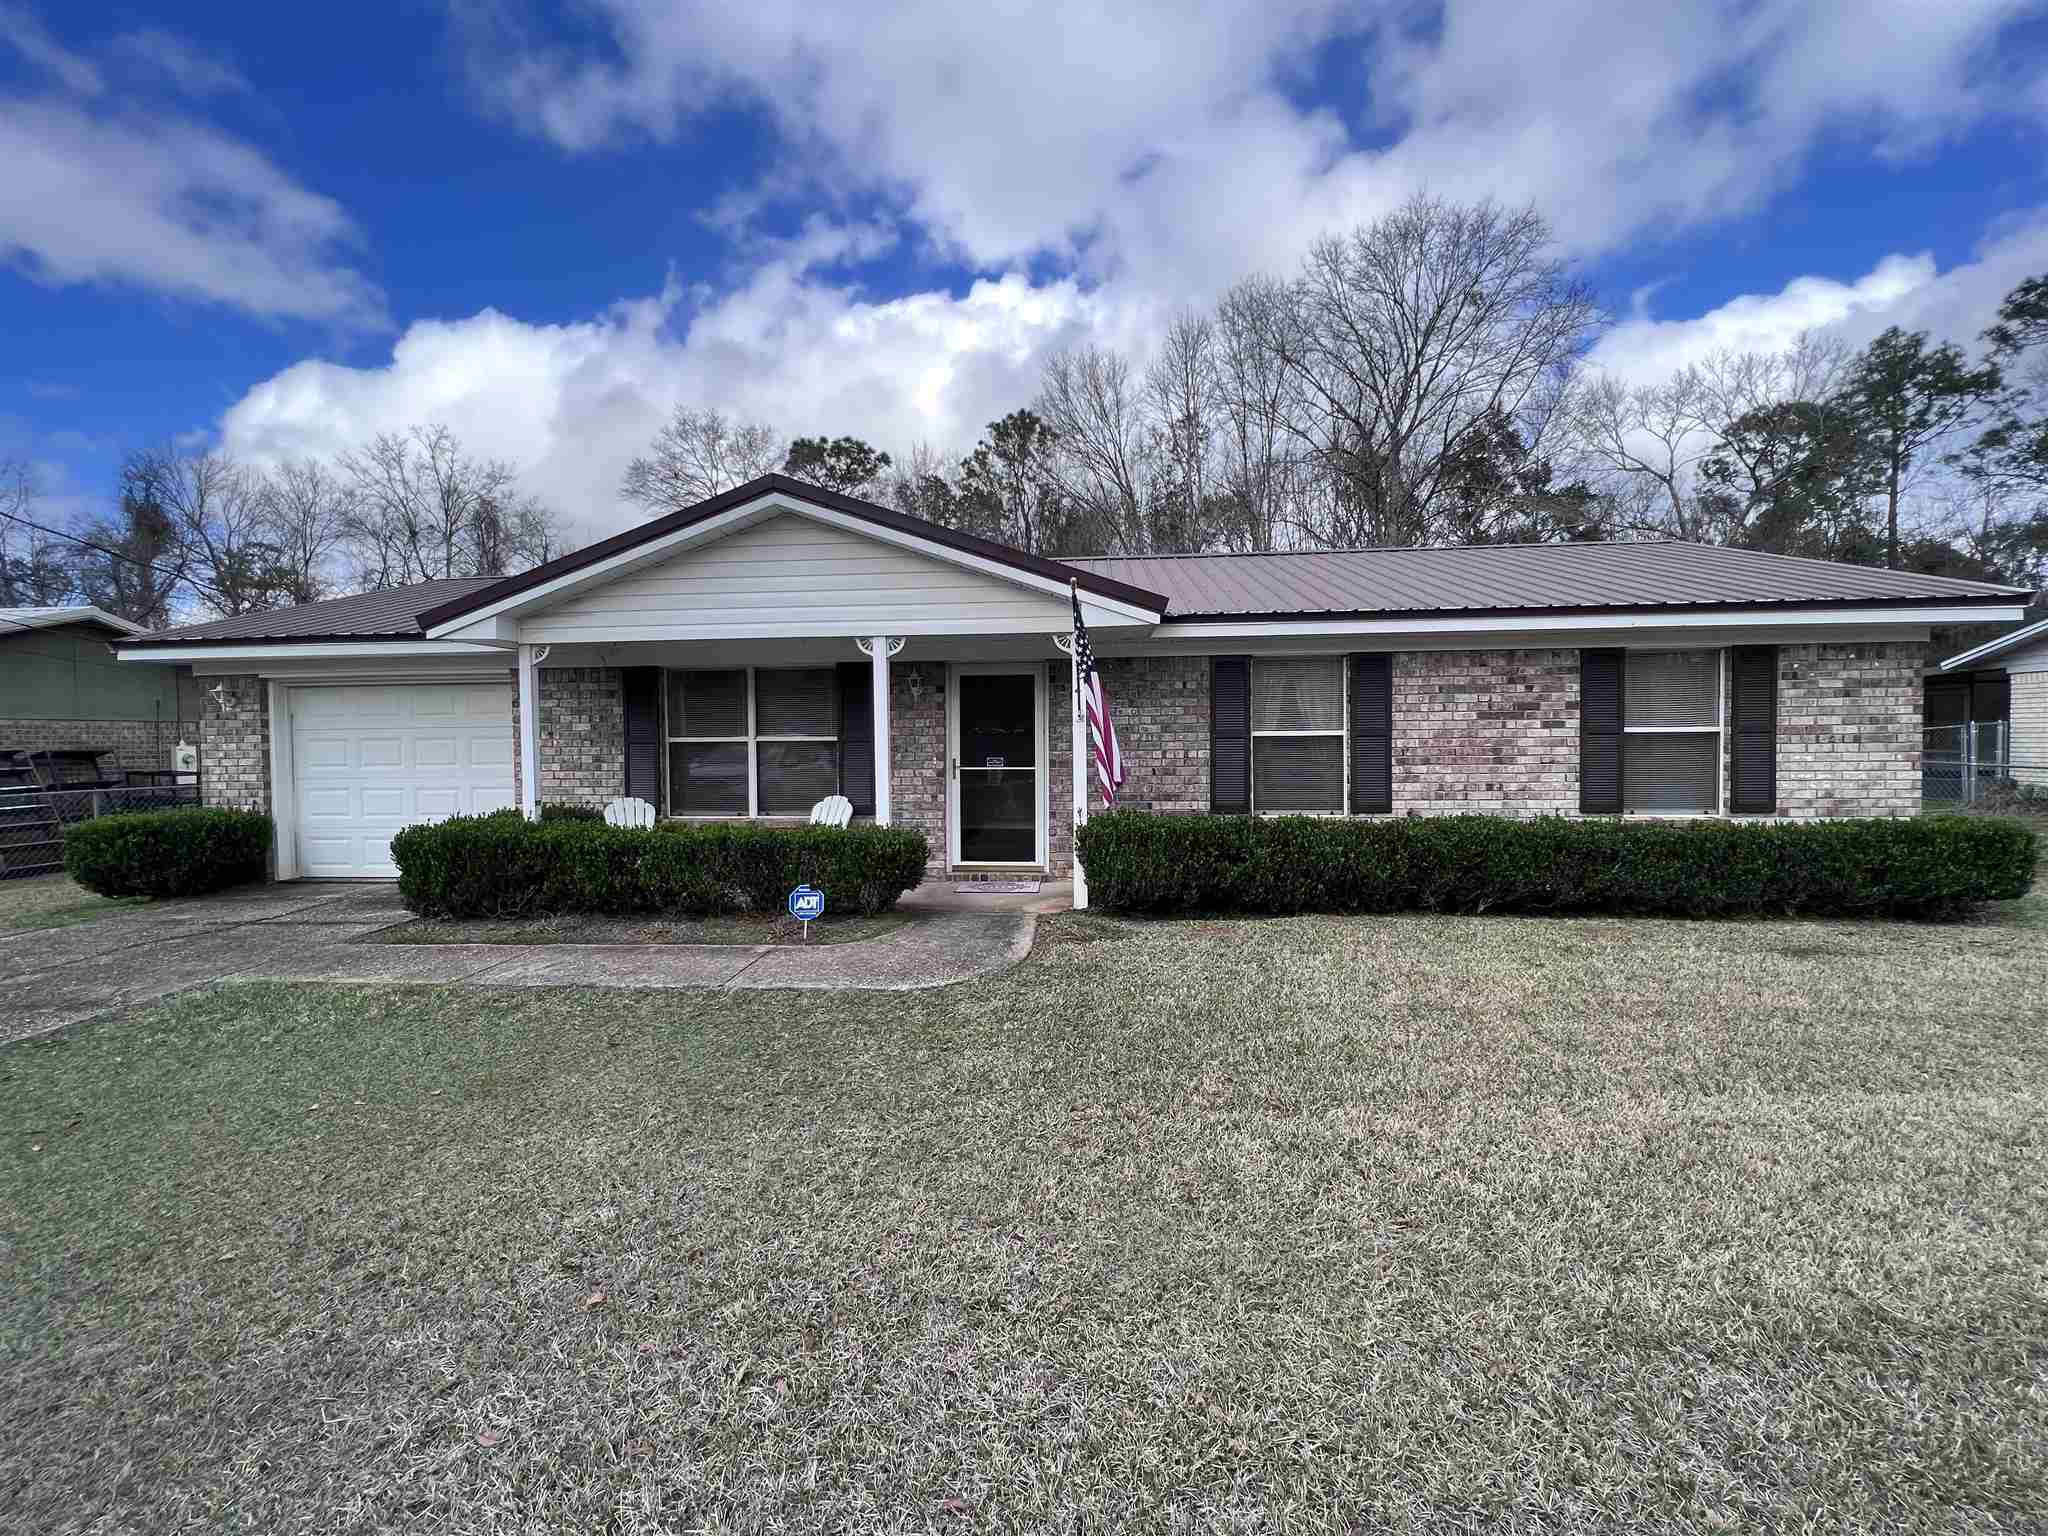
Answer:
(747, 656)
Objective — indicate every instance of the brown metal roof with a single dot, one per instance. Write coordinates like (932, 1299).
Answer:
(391, 614)
(1489, 579)
(1499, 578)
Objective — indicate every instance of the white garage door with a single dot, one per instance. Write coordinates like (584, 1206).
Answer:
(370, 760)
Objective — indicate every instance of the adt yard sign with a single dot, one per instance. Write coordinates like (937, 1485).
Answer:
(807, 905)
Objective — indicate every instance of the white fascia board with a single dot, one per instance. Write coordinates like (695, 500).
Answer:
(397, 651)
(616, 634)
(1998, 646)
(1527, 624)
(733, 520)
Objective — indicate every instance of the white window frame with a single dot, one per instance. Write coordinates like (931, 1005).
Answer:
(752, 740)
(1718, 730)
(1342, 733)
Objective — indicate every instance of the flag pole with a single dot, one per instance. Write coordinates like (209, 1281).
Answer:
(1079, 731)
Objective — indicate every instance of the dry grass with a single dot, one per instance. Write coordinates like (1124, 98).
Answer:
(737, 928)
(1302, 1224)
(54, 901)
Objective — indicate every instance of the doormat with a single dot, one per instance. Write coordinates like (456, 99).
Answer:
(997, 888)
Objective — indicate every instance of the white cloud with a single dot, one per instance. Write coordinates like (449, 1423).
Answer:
(107, 187)
(189, 67)
(20, 28)
(1158, 141)
(1902, 289)
(571, 404)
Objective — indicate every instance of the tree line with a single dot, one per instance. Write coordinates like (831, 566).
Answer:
(200, 534)
(1420, 379)
(1423, 379)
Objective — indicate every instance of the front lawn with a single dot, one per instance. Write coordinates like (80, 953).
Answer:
(54, 901)
(1304, 1224)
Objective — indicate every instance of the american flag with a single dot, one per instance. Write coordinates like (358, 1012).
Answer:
(1109, 757)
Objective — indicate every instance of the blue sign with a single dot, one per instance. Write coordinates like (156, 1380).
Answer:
(806, 904)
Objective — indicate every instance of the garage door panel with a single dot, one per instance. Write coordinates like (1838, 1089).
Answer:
(369, 761)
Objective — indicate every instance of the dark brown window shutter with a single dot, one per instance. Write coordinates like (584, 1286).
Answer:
(1600, 677)
(1230, 735)
(1753, 721)
(1372, 734)
(640, 688)
(857, 735)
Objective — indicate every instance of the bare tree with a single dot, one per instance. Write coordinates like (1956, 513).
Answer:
(306, 507)
(217, 509)
(1181, 398)
(35, 570)
(1402, 335)
(1100, 452)
(132, 564)
(698, 454)
(1257, 469)
(423, 510)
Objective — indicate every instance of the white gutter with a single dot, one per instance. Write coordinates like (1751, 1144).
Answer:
(1998, 646)
(1775, 618)
(335, 650)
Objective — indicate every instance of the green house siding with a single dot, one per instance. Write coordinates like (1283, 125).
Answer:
(69, 674)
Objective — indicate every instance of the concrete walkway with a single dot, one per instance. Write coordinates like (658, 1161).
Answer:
(305, 932)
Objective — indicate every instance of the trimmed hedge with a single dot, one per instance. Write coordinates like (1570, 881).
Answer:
(564, 810)
(168, 853)
(1925, 867)
(501, 866)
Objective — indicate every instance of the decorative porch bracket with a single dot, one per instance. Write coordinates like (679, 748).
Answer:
(879, 648)
(1078, 731)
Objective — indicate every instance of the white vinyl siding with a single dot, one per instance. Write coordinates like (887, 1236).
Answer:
(791, 574)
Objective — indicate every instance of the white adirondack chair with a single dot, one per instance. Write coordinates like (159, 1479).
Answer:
(628, 811)
(832, 811)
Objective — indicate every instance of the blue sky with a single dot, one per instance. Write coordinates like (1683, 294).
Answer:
(280, 229)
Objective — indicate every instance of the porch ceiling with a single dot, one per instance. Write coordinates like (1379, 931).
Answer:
(786, 652)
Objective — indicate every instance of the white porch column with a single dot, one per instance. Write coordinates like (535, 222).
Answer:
(878, 653)
(1079, 732)
(529, 732)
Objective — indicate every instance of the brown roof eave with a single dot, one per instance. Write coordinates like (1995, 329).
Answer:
(866, 511)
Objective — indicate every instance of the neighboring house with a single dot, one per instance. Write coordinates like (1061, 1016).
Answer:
(62, 688)
(1993, 699)
(779, 643)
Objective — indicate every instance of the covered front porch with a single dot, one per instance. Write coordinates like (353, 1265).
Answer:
(969, 740)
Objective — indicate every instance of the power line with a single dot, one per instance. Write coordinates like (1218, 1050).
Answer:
(113, 554)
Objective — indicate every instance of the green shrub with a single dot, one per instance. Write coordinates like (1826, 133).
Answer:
(168, 853)
(501, 866)
(1925, 867)
(563, 810)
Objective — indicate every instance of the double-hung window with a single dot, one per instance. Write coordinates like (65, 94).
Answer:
(1297, 730)
(1671, 732)
(752, 741)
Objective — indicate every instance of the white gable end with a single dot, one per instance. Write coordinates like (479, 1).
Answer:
(791, 575)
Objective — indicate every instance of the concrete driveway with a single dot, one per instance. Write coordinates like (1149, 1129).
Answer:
(308, 932)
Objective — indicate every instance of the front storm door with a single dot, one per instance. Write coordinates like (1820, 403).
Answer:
(998, 765)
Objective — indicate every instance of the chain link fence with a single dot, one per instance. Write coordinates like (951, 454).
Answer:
(33, 821)
(1973, 766)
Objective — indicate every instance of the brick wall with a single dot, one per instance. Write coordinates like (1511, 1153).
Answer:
(234, 743)
(1849, 728)
(917, 752)
(134, 743)
(582, 734)
(2030, 727)
(1486, 731)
